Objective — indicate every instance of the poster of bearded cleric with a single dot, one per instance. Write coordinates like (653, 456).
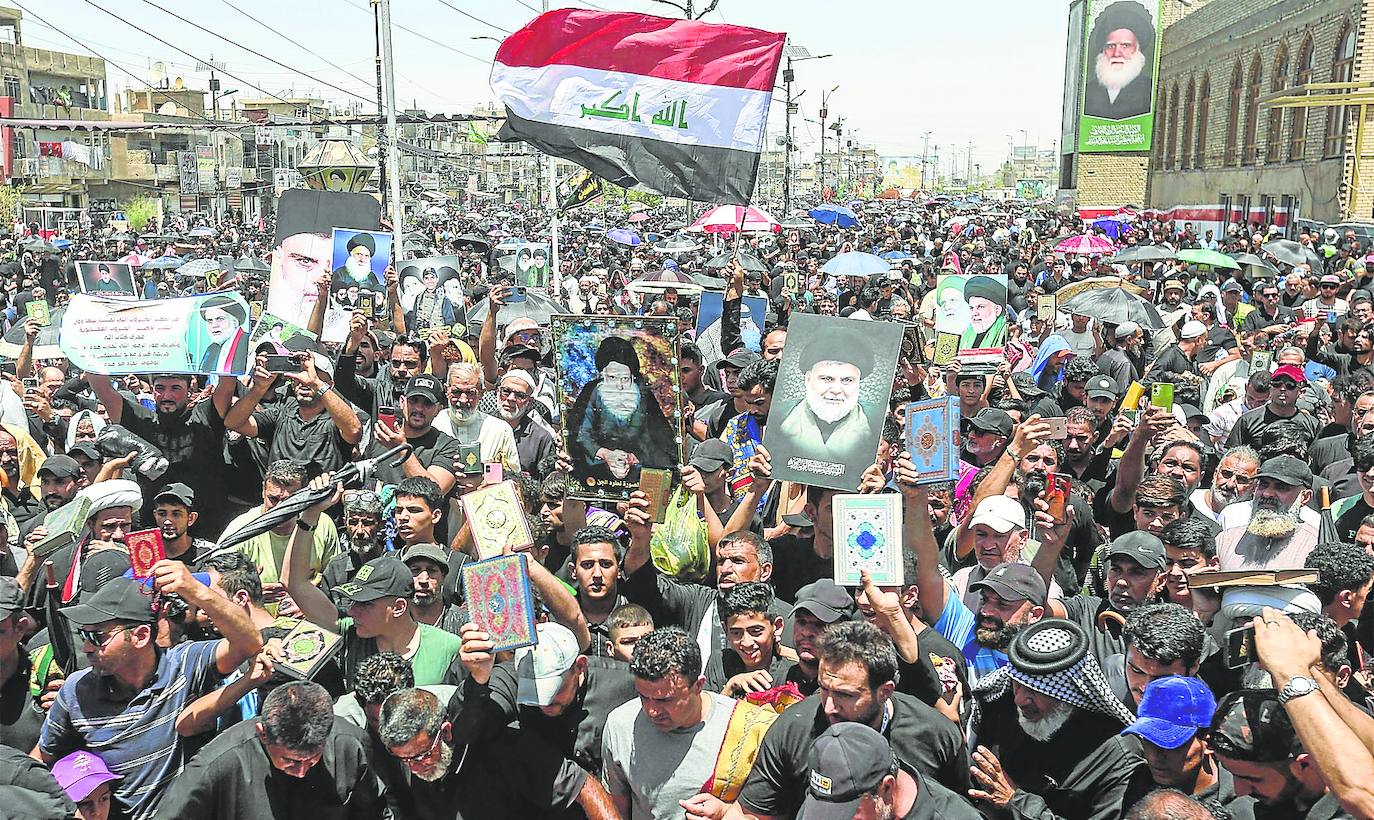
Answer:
(975, 309)
(620, 400)
(1120, 61)
(830, 399)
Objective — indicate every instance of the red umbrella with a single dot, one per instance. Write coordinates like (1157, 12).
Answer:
(731, 218)
(638, 217)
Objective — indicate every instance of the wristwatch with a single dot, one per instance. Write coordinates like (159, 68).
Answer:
(1297, 686)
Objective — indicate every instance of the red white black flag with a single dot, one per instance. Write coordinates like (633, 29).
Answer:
(677, 107)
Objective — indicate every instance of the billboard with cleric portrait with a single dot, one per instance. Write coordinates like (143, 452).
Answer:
(1120, 63)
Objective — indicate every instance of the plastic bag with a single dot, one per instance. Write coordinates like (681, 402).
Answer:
(678, 546)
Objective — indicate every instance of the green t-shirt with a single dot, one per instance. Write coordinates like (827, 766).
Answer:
(430, 662)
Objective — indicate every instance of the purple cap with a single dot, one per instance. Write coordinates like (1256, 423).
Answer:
(79, 773)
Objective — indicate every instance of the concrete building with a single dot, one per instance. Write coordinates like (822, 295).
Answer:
(1217, 142)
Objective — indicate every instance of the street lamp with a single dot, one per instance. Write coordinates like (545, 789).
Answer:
(794, 54)
(825, 112)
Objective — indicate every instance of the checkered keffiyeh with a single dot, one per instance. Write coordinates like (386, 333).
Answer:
(1082, 685)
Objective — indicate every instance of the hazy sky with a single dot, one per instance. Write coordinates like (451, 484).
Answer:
(972, 71)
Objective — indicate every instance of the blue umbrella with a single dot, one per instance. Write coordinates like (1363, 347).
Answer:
(856, 263)
(890, 255)
(624, 236)
(62, 244)
(829, 214)
(165, 263)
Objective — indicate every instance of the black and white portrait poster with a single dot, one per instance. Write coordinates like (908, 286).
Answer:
(620, 399)
(834, 382)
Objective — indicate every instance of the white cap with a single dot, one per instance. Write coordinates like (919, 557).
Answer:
(542, 667)
(1000, 512)
(1192, 329)
(1126, 329)
(522, 375)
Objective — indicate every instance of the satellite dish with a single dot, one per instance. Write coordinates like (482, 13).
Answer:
(179, 84)
(167, 109)
(159, 74)
(780, 140)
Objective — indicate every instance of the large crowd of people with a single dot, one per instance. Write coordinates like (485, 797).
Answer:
(1145, 597)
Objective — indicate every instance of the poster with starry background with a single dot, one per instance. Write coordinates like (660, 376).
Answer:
(868, 536)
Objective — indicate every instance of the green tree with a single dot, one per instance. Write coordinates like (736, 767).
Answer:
(11, 199)
(139, 211)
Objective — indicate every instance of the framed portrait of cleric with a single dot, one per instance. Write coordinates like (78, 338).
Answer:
(431, 292)
(359, 259)
(106, 279)
(834, 382)
(975, 308)
(620, 399)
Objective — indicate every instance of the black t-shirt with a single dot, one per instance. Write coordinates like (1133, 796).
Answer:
(315, 442)
(193, 443)
(576, 733)
(1250, 427)
(921, 737)
(1349, 521)
(1220, 342)
(1258, 320)
(21, 719)
(1172, 360)
(923, 679)
(431, 448)
(1016, 294)
(796, 564)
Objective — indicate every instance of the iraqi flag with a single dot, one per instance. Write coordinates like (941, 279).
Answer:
(677, 107)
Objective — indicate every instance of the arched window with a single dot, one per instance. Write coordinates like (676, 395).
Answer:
(1171, 141)
(1204, 111)
(1162, 123)
(1252, 95)
(1186, 142)
(1342, 70)
(1233, 114)
(1302, 75)
(1273, 138)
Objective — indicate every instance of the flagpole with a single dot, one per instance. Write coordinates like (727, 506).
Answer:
(553, 210)
(393, 153)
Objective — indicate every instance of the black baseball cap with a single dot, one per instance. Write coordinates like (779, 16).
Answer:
(847, 761)
(384, 577)
(1014, 582)
(429, 552)
(60, 466)
(11, 597)
(120, 599)
(1102, 386)
(990, 420)
(740, 359)
(179, 493)
(426, 387)
(710, 455)
(827, 600)
(1287, 469)
(87, 449)
(1251, 725)
(1142, 547)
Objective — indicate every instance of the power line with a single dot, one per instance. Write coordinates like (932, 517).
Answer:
(424, 37)
(296, 43)
(254, 52)
(189, 54)
(473, 17)
(108, 61)
(528, 6)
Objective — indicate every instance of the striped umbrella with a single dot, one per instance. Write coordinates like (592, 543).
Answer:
(1086, 245)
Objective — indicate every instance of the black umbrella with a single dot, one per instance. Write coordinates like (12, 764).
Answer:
(538, 306)
(1143, 253)
(748, 261)
(40, 246)
(1115, 305)
(251, 264)
(1286, 251)
(352, 475)
(46, 346)
(473, 241)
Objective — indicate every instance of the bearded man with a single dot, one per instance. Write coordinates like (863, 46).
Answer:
(1122, 81)
(1275, 537)
(1040, 712)
(535, 442)
(227, 351)
(465, 422)
(616, 422)
(357, 268)
(829, 424)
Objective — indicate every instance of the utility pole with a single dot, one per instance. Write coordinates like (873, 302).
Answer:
(925, 154)
(552, 204)
(381, 105)
(825, 112)
(393, 155)
(787, 141)
(968, 167)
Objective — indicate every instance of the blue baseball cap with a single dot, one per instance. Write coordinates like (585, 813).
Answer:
(1172, 710)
